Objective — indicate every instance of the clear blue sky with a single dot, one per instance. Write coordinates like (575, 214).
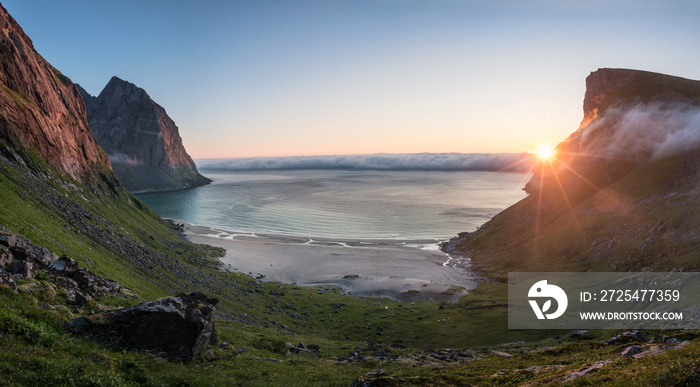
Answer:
(273, 78)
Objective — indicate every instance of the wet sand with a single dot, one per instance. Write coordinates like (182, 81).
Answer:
(402, 270)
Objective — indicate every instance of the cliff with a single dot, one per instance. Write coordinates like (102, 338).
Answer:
(42, 110)
(622, 193)
(143, 143)
(57, 188)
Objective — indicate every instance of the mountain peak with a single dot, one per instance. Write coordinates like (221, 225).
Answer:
(142, 141)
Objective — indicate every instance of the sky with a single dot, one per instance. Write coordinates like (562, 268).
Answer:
(284, 78)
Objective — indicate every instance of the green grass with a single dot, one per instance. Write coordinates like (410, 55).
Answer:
(34, 350)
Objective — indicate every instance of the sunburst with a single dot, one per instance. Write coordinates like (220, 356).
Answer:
(545, 152)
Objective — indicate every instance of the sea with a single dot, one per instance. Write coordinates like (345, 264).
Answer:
(344, 204)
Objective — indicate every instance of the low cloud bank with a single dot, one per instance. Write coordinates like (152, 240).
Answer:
(521, 162)
(119, 158)
(646, 131)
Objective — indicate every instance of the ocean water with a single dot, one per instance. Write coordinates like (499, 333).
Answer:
(344, 204)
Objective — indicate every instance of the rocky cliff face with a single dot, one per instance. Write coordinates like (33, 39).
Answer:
(622, 193)
(143, 143)
(42, 110)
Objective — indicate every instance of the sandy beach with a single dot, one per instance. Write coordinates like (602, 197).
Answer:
(402, 270)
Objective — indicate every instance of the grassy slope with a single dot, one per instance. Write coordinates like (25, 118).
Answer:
(651, 228)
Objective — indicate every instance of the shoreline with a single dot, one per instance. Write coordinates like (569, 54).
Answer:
(404, 270)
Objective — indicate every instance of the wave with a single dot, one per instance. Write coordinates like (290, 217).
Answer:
(511, 162)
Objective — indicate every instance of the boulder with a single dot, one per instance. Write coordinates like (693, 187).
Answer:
(175, 328)
(25, 269)
(32, 253)
(64, 266)
(8, 240)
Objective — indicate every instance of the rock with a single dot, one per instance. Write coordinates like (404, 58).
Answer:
(224, 345)
(32, 253)
(580, 334)
(592, 368)
(210, 355)
(65, 266)
(672, 341)
(95, 285)
(627, 337)
(25, 269)
(177, 328)
(6, 282)
(6, 256)
(631, 351)
(503, 354)
(8, 240)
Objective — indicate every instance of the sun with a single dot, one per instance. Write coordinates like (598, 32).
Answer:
(545, 152)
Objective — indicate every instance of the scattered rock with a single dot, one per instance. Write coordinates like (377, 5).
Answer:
(95, 285)
(224, 345)
(26, 269)
(6, 281)
(30, 252)
(594, 367)
(628, 337)
(179, 327)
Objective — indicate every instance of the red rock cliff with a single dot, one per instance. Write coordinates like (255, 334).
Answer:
(41, 109)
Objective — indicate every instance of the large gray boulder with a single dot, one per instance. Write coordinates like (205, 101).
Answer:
(175, 328)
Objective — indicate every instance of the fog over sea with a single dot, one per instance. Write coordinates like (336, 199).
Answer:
(405, 197)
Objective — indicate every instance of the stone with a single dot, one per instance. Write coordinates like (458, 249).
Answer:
(6, 256)
(503, 354)
(627, 337)
(177, 328)
(631, 351)
(6, 281)
(8, 240)
(95, 285)
(26, 269)
(32, 253)
(585, 371)
(65, 266)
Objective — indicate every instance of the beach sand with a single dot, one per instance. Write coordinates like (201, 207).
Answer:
(401, 270)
